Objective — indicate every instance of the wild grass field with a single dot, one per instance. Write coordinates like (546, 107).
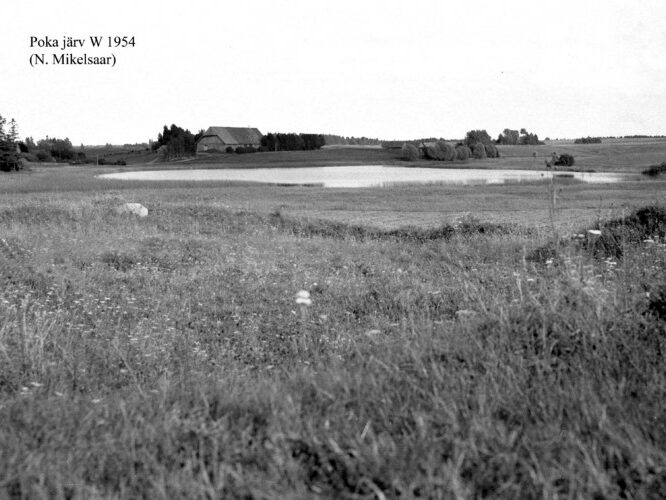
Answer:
(455, 346)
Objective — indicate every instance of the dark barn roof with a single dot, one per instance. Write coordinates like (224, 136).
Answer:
(235, 135)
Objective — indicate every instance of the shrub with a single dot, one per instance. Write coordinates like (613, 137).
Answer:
(479, 151)
(491, 151)
(565, 160)
(448, 151)
(9, 158)
(30, 157)
(245, 149)
(646, 222)
(43, 155)
(463, 152)
(229, 149)
(655, 170)
(616, 234)
(433, 152)
(409, 152)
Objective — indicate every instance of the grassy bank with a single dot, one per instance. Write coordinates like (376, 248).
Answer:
(620, 155)
(390, 207)
(166, 357)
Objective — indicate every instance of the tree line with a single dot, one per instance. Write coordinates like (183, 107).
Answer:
(588, 140)
(477, 144)
(13, 151)
(332, 139)
(514, 137)
(291, 142)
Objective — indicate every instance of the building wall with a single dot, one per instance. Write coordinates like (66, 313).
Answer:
(212, 142)
(208, 143)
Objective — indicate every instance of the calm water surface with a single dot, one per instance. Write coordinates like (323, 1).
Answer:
(362, 176)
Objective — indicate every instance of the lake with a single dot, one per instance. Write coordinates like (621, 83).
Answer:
(364, 176)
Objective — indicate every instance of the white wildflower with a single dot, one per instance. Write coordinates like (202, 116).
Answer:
(303, 298)
(594, 232)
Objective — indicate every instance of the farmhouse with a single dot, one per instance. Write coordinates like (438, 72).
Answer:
(221, 138)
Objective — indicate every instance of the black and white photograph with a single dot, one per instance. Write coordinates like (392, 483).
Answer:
(289, 249)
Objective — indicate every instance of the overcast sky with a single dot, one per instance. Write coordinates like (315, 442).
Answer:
(387, 69)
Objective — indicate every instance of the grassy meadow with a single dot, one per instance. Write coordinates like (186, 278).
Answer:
(461, 342)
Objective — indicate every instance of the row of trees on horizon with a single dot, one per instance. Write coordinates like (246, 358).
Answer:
(174, 141)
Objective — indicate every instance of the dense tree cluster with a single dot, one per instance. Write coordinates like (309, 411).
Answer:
(9, 157)
(51, 148)
(177, 142)
(410, 152)
(444, 151)
(463, 152)
(479, 151)
(292, 142)
(439, 150)
(513, 137)
(332, 139)
(588, 140)
(477, 136)
(565, 160)
(479, 145)
(45, 150)
(491, 151)
(508, 137)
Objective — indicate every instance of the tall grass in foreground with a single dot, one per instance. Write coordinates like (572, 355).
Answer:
(167, 358)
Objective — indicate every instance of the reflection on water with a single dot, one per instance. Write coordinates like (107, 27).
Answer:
(362, 176)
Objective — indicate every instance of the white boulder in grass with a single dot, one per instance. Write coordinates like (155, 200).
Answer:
(133, 208)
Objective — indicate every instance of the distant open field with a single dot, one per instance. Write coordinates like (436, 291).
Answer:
(612, 155)
(617, 155)
(455, 344)
(406, 205)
